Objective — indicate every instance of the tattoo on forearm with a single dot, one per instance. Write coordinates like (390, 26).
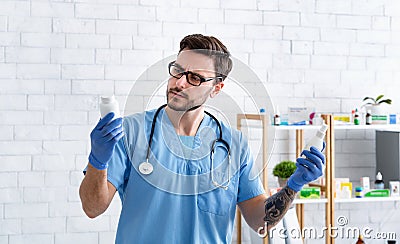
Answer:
(277, 205)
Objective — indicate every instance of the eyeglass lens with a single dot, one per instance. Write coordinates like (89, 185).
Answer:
(193, 78)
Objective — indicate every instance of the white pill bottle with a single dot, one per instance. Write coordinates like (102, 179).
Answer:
(107, 105)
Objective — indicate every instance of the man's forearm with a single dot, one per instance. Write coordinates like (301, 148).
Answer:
(94, 192)
(277, 205)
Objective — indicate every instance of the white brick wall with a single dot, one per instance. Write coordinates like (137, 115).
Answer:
(87, 41)
(38, 71)
(58, 57)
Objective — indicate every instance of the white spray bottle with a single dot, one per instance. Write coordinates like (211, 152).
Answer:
(317, 140)
(107, 105)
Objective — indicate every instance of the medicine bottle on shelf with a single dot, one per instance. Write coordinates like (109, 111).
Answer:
(379, 184)
(368, 118)
(277, 117)
(107, 105)
(345, 193)
(356, 118)
(359, 192)
(353, 113)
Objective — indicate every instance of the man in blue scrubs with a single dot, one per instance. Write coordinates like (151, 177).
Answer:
(188, 195)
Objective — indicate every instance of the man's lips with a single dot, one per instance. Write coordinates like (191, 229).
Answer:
(177, 94)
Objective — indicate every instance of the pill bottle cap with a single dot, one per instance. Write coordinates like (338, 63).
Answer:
(379, 176)
(109, 99)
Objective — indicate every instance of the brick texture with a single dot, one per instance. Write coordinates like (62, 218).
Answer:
(58, 57)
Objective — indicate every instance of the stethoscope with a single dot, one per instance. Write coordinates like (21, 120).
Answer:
(146, 167)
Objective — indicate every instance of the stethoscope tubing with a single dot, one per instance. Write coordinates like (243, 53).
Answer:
(153, 124)
(213, 146)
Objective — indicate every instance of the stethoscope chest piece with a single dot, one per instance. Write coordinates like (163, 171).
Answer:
(146, 168)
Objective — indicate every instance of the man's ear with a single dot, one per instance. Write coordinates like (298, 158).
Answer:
(217, 89)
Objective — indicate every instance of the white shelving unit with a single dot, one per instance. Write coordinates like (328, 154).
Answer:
(297, 127)
(299, 146)
(308, 201)
(330, 200)
(352, 200)
(340, 127)
(368, 199)
(368, 127)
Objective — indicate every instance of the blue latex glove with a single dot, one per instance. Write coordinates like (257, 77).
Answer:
(103, 138)
(313, 169)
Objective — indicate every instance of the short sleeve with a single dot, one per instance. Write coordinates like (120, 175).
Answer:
(119, 167)
(248, 187)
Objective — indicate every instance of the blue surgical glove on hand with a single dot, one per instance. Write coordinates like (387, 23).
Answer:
(103, 138)
(308, 169)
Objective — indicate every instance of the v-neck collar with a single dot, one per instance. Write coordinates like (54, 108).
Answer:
(174, 142)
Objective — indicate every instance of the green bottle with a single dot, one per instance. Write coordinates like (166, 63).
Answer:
(356, 118)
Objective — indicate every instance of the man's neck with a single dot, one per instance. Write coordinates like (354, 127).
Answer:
(186, 123)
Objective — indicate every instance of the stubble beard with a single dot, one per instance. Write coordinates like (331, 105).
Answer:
(182, 104)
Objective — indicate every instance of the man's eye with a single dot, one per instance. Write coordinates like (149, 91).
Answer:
(195, 78)
(177, 70)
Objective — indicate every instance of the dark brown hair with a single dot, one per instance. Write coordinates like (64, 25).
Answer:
(212, 47)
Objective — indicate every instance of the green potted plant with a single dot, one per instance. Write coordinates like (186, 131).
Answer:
(373, 104)
(283, 171)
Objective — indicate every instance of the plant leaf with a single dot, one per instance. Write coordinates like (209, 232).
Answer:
(388, 101)
(378, 97)
(370, 98)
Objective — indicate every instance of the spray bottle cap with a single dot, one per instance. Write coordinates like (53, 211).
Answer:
(109, 99)
(379, 176)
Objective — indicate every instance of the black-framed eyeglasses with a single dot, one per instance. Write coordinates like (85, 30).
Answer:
(194, 79)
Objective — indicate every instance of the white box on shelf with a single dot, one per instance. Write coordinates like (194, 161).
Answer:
(365, 183)
(394, 188)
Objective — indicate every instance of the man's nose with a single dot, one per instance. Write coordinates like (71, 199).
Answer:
(182, 82)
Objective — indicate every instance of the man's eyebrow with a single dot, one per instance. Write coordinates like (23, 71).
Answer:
(179, 66)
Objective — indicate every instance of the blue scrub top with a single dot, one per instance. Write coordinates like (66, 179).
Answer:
(177, 202)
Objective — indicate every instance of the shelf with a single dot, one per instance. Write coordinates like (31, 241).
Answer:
(340, 127)
(297, 127)
(368, 127)
(395, 127)
(369, 199)
(306, 201)
(364, 199)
